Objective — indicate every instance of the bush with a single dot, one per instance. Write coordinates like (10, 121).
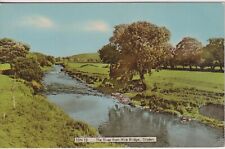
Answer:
(27, 69)
(8, 72)
(36, 86)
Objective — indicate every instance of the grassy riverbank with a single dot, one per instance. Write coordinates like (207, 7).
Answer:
(28, 120)
(176, 92)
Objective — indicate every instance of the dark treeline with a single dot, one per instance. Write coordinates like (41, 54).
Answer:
(139, 47)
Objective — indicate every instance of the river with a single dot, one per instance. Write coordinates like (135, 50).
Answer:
(114, 119)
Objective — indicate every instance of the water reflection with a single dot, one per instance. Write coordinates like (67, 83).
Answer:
(169, 131)
(213, 110)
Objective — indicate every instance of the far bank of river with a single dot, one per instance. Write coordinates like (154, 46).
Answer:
(114, 119)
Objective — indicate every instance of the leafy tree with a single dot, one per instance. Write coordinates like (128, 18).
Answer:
(58, 59)
(168, 56)
(207, 59)
(27, 69)
(213, 53)
(109, 54)
(51, 59)
(188, 52)
(141, 44)
(42, 59)
(10, 49)
(118, 32)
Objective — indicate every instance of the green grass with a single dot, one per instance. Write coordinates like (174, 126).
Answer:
(34, 122)
(94, 68)
(5, 67)
(86, 57)
(177, 92)
(208, 81)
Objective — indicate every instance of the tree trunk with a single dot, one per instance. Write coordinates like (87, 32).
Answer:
(172, 66)
(201, 67)
(142, 77)
(221, 68)
(212, 68)
(190, 67)
(112, 71)
(130, 77)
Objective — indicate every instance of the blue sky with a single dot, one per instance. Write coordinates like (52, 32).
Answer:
(62, 29)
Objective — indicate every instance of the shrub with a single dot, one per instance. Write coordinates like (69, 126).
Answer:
(36, 86)
(27, 69)
(8, 72)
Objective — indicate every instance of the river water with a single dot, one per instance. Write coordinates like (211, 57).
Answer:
(114, 119)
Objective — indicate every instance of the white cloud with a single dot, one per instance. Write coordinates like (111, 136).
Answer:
(38, 21)
(96, 26)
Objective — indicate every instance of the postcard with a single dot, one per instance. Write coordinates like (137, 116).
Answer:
(112, 75)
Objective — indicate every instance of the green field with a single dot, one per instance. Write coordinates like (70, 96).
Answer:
(86, 57)
(92, 68)
(34, 122)
(180, 92)
(4, 67)
(208, 81)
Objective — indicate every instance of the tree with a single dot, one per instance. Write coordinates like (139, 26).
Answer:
(140, 45)
(188, 52)
(27, 69)
(10, 49)
(168, 56)
(109, 54)
(207, 59)
(213, 53)
(42, 59)
(51, 59)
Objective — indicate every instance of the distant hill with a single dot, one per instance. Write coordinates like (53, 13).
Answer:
(86, 57)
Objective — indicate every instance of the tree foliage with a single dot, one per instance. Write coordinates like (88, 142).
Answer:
(213, 53)
(10, 49)
(42, 59)
(24, 64)
(141, 45)
(109, 54)
(188, 52)
(168, 56)
(27, 69)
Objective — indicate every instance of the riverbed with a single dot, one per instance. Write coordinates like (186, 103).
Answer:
(112, 118)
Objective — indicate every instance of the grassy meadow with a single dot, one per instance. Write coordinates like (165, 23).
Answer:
(85, 57)
(29, 120)
(45, 126)
(90, 68)
(177, 92)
